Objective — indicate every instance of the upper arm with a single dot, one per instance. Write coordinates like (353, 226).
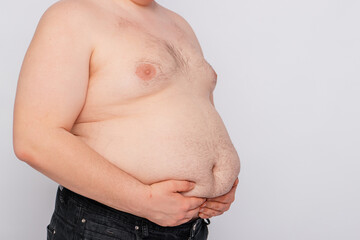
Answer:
(53, 80)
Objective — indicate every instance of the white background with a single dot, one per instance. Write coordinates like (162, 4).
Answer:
(288, 92)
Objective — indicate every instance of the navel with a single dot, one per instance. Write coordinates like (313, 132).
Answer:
(145, 71)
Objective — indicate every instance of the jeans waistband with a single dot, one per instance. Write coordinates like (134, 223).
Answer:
(95, 206)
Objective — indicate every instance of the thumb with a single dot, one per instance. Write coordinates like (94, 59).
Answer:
(182, 185)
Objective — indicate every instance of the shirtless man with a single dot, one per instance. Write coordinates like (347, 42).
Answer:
(114, 102)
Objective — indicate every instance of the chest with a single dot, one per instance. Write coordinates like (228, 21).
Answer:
(131, 63)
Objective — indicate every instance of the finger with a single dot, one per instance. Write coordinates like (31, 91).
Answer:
(217, 206)
(211, 212)
(203, 215)
(192, 213)
(222, 199)
(184, 220)
(236, 181)
(196, 202)
(226, 198)
(181, 186)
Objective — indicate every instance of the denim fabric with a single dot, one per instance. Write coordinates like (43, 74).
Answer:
(77, 217)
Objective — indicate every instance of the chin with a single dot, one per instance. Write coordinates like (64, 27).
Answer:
(143, 2)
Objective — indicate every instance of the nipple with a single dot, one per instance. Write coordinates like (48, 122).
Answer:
(145, 71)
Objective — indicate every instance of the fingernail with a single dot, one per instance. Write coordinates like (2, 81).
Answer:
(201, 210)
(204, 205)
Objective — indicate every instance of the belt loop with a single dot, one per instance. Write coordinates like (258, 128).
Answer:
(60, 194)
(145, 230)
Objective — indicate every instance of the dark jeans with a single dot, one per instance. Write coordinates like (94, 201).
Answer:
(77, 217)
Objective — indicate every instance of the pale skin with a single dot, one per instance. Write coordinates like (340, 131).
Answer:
(51, 100)
(212, 206)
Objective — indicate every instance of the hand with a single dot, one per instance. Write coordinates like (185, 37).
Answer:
(166, 206)
(218, 205)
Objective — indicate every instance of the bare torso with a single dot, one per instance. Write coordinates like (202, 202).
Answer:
(148, 108)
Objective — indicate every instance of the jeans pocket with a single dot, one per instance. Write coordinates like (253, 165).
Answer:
(101, 231)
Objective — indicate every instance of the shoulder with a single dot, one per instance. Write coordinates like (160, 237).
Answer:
(178, 19)
(72, 14)
(184, 25)
(70, 8)
(70, 22)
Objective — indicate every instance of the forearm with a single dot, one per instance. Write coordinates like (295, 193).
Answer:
(70, 162)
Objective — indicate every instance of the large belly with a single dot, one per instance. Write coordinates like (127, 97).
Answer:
(174, 140)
